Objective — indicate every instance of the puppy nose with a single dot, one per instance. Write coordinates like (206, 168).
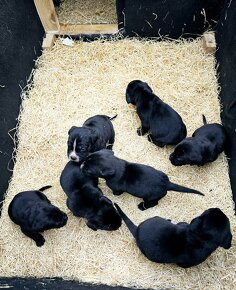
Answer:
(73, 158)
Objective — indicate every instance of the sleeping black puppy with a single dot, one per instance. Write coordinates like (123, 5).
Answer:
(206, 143)
(86, 200)
(183, 244)
(96, 133)
(137, 179)
(164, 124)
(34, 213)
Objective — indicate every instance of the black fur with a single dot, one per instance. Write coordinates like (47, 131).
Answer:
(57, 2)
(34, 213)
(164, 124)
(183, 244)
(206, 143)
(137, 179)
(86, 200)
(96, 133)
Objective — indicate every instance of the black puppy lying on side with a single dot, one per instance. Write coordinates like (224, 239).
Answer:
(206, 143)
(137, 179)
(34, 213)
(86, 200)
(96, 133)
(183, 244)
(164, 123)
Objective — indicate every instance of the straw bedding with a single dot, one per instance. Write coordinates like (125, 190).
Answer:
(74, 83)
(87, 12)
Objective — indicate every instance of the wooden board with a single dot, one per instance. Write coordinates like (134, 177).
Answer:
(88, 28)
(48, 15)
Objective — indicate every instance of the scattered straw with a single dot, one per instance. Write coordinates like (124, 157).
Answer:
(87, 12)
(74, 83)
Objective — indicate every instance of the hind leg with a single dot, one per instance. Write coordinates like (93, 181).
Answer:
(152, 140)
(38, 238)
(147, 204)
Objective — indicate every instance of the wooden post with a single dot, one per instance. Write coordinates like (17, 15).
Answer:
(48, 40)
(209, 42)
(48, 16)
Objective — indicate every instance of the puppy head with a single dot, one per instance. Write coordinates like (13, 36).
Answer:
(186, 153)
(213, 224)
(80, 142)
(50, 217)
(99, 164)
(107, 218)
(133, 87)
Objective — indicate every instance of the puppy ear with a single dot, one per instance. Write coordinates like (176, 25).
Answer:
(71, 129)
(107, 172)
(93, 137)
(196, 224)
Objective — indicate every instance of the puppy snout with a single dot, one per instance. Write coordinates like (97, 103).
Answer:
(74, 157)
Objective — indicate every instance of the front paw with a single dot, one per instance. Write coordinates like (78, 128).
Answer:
(141, 206)
(140, 131)
(117, 192)
(92, 226)
(40, 242)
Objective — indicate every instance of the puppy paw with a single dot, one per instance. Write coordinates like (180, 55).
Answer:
(40, 242)
(140, 131)
(109, 146)
(117, 192)
(141, 206)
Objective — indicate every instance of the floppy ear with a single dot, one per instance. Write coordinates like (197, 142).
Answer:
(71, 129)
(196, 224)
(107, 172)
(93, 137)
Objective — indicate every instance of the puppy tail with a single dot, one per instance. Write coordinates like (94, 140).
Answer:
(204, 119)
(45, 187)
(112, 118)
(131, 226)
(180, 188)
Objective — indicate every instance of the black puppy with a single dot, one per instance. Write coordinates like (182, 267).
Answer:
(183, 244)
(34, 213)
(164, 123)
(96, 133)
(137, 179)
(86, 200)
(206, 143)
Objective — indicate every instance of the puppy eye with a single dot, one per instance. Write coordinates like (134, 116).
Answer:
(82, 148)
